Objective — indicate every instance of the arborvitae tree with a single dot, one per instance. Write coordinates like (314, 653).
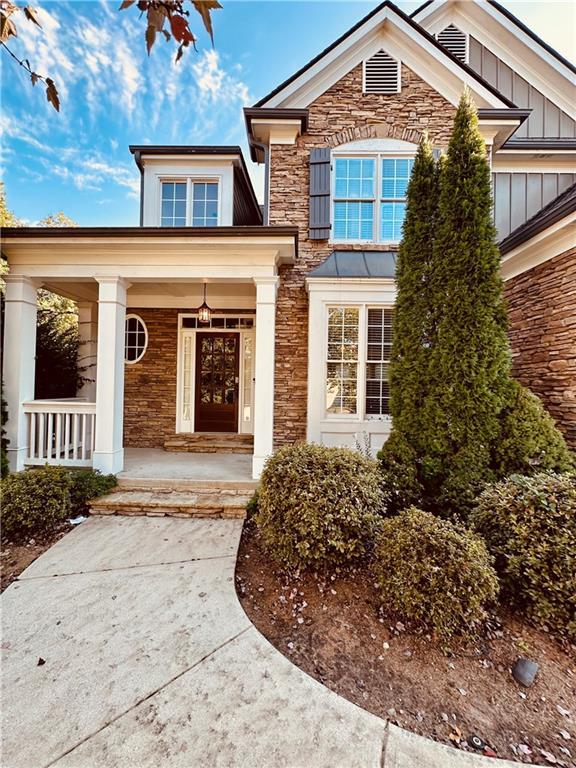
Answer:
(413, 329)
(469, 373)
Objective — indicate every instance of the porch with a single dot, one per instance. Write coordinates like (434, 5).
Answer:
(166, 375)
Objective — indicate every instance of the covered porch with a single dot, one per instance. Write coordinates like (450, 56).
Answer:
(130, 407)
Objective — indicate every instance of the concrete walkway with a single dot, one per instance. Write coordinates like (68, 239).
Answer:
(150, 662)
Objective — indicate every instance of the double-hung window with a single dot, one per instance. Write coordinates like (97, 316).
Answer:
(188, 202)
(359, 347)
(370, 198)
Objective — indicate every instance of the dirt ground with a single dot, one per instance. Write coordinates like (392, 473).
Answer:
(15, 558)
(334, 628)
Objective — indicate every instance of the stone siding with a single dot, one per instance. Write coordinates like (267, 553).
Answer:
(542, 311)
(342, 114)
(150, 385)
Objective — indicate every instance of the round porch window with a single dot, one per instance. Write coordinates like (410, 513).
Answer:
(136, 339)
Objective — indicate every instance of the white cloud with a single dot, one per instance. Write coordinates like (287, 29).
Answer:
(216, 83)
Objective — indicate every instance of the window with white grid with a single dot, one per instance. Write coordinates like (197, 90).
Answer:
(378, 353)
(135, 339)
(174, 201)
(204, 204)
(342, 361)
(369, 198)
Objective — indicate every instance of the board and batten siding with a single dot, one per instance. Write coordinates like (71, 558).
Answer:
(546, 120)
(518, 196)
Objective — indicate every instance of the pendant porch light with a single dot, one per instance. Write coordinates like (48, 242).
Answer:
(204, 311)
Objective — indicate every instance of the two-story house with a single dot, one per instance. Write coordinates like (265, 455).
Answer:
(274, 322)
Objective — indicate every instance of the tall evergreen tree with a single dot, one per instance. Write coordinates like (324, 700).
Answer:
(469, 373)
(413, 330)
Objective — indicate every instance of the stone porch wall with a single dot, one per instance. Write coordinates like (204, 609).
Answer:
(150, 385)
(342, 114)
(542, 312)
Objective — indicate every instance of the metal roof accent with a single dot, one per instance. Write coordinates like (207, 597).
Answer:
(357, 264)
(553, 212)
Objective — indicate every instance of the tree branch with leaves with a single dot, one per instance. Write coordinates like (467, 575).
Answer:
(8, 29)
(171, 19)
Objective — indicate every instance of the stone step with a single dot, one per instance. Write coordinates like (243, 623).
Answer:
(174, 503)
(240, 487)
(210, 442)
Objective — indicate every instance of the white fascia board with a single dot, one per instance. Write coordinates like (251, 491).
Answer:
(556, 239)
(390, 31)
(518, 163)
(514, 47)
(561, 156)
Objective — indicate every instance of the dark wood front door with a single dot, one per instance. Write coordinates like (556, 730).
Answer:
(217, 356)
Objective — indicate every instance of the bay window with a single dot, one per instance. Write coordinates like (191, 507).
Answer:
(358, 351)
(369, 197)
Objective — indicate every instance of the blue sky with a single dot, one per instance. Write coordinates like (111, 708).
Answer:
(113, 94)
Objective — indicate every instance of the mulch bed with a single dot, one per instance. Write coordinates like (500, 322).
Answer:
(15, 558)
(334, 629)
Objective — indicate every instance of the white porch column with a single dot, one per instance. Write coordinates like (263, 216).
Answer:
(87, 350)
(264, 371)
(109, 449)
(19, 362)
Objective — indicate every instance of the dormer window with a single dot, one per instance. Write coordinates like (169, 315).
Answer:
(455, 41)
(189, 203)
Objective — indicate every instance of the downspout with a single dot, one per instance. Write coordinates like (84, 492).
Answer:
(266, 151)
(138, 159)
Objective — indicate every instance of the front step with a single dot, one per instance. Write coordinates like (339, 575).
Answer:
(210, 442)
(181, 502)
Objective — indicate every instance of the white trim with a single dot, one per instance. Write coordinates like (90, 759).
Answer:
(510, 44)
(336, 429)
(439, 70)
(556, 239)
(185, 427)
(141, 355)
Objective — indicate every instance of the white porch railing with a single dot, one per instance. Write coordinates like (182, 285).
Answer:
(60, 432)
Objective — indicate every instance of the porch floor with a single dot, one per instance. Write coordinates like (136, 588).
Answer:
(157, 464)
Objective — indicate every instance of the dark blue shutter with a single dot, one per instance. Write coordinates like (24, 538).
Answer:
(319, 194)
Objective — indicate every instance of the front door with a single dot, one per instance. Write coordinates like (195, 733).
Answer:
(216, 407)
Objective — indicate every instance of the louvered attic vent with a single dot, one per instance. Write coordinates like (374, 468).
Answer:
(381, 74)
(454, 40)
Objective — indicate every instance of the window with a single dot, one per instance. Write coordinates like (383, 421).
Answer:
(205, 204)
(378, 353)
(173, 204)
(176, 211)
(135, 339)
(356, 215)
(342, 360)
(357, 367)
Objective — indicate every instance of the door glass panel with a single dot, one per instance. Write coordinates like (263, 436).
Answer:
(247, 383)
(187, 379)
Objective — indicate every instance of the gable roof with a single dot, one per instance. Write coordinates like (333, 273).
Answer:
(553, 212)
(516, 21)
(369, 21)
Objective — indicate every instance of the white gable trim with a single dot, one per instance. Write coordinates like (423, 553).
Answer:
(510, 44)
(387, 30)
(552, 241)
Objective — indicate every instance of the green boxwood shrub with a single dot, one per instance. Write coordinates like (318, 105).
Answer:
(434, 574)
(530, 441)
(529, 524)
(318, 506)
(88, 484)
(399, 473)
(35, 502)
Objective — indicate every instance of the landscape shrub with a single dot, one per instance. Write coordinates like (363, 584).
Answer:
(400, 481)
(318, 506)
(252, 506)
(529, 524)
(434, 574)
(530, 441)
(35, 502)
(88, 484)
(4, 468)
